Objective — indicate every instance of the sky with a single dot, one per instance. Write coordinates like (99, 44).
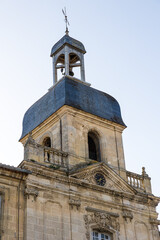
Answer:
(122, 40)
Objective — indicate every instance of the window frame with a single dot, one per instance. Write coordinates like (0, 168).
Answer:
(99, 237)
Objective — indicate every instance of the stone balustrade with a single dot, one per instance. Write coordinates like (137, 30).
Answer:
(135, 180)
(36, 152)
(141, 182)
(55, 156)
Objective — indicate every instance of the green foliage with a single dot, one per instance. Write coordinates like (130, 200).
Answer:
(55, 167)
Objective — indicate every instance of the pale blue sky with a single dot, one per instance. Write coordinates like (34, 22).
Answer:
(122, 39)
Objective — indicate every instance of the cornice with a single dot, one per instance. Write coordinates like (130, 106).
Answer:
(61, 176)
(13, 174)
(90, 209)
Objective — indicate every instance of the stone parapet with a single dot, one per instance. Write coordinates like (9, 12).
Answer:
(140, 182)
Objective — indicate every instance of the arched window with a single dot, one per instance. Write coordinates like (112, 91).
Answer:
(93, 146)
(47, 142)
(100, 236)
(74, 65)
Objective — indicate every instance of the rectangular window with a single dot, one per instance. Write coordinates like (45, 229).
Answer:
(100, 236)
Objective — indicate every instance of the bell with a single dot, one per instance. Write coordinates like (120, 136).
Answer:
(63, 73)
(71, 73)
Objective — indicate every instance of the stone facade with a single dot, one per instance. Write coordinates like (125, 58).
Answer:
(60, 199)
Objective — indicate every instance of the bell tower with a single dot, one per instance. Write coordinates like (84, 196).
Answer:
(81, 124)
(68, 54)
(78, 186)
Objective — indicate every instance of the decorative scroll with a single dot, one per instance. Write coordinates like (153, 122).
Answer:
(101, 222)
(75, 202)
(127, 215)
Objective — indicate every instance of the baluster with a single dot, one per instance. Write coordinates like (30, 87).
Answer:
(128, 179)
(51, 156)
(137, 183)
(134, 182)
(45, 155)
(131, 180)
(56, 160)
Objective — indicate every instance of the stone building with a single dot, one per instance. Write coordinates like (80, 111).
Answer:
(73, 183)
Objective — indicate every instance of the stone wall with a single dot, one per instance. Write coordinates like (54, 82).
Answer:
(12, 203)
(66, 208)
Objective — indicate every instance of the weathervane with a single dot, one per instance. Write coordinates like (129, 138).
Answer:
(66, 20)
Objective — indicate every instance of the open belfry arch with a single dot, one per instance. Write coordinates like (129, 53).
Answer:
(68, 54)
(73, 183)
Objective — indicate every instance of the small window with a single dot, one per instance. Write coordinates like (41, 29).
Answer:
(93, 147)
(47, 142)
(100, 236)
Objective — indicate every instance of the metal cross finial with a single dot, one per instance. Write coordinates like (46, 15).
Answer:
(66, 20)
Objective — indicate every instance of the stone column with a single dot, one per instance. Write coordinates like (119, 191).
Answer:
(66, 60)
(82, 68)
(54, 71)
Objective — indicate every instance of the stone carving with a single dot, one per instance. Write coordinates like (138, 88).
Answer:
(32, 192)
(88, 176)
(154, 221)
(75, 202)
(127, 215)
(153, 202)
(102, 221)
(30, 140)
(113, 182)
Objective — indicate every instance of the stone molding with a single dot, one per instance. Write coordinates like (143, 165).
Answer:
(154, 221)
(153, 202)
(31, 192)
(90, 209)
(127, 215)
(61, 176)
(13, 174)
(74, 203)
(114, 181)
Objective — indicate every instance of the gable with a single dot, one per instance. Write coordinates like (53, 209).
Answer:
(101, 174)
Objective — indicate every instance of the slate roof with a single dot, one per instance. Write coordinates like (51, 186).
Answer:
(75, 94)
(66, 39)
(15, 169)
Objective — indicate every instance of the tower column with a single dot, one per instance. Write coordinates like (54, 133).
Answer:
(82, 68)
(54, 71)
(66, 61)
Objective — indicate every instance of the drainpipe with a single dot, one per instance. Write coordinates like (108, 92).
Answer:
(19, 202)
